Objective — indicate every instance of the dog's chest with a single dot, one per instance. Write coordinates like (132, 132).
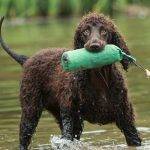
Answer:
(95, 105)
(96, 108)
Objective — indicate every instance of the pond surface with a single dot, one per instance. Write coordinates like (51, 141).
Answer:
(31, 36)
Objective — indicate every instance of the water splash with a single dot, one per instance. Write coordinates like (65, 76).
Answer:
(87, 143)
(62, 144)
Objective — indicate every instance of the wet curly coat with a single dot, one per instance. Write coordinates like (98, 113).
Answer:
(96, 95)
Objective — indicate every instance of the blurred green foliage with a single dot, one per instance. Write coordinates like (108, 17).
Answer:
(87, 5)
(30, 8)
(111, 6)
(42, 7)
(65, 8)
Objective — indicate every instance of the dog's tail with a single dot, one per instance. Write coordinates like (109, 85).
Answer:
(19, 58)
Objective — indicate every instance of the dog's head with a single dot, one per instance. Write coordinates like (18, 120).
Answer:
(95, 31)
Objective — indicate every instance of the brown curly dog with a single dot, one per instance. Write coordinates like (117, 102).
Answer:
(96, 95)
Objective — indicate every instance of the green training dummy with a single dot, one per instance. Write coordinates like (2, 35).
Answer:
(81, 59)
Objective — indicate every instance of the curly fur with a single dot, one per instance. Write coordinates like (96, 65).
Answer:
(96, 95)
(115, 37)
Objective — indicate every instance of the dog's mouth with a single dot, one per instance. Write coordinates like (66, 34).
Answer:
(95, 46)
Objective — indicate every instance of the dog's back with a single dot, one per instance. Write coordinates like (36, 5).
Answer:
(45, 69)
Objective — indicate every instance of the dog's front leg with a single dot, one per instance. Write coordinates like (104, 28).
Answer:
(123, 109)
(67, 122)
(77, 125)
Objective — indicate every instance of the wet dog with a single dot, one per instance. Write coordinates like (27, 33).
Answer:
(96, 95)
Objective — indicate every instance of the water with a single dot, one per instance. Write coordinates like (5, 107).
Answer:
(31, 36)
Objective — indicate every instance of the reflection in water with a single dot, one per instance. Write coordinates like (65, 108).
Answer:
(144, 129)
(96, 131)
(60, 144)
(28, 39)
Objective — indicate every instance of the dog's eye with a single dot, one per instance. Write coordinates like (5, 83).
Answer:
(86, 32)
(103, 32)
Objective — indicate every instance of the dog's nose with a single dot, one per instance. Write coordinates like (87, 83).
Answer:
(95, 46)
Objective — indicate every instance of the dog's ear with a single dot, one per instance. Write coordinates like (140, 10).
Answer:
(118, 40)
(78, 39)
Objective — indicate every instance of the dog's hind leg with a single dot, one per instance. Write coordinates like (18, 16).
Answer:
(31, 103)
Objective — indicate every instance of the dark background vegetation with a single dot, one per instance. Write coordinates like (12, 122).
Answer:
(59, 8)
